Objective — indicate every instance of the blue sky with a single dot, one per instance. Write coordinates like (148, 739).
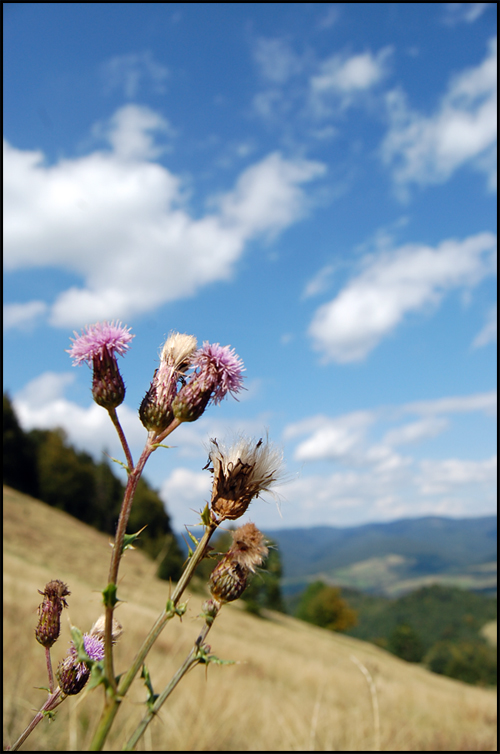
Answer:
(313, 184)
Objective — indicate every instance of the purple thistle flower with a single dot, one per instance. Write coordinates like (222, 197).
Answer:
(217, 371)
(98, 346)
(98, 340)
(220, 368)
(72, 674)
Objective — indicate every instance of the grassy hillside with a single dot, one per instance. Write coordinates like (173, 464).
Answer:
(294, 687)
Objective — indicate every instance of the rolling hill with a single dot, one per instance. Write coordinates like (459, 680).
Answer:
(293, 687)
(392, 558)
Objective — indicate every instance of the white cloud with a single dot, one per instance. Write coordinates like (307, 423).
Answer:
(23, 316)
(416, 431)
(129, 73)
(337, 438)
(185, 491)
(428, 149)
(320, 282)
(276, 59)
(488, 334)
(392, 284)
(345, 78)
(117, 220)
(441, 477)
(484, 402)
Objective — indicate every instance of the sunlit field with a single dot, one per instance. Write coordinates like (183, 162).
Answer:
(293, 687)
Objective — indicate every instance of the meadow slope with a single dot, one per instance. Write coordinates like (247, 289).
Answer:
(294, 687)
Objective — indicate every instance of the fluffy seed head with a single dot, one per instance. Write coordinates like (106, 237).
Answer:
(240, 473)
(155, 411)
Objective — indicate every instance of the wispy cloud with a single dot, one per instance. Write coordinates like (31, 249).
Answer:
(276, 60)
(118, 219)
(372, 480)
(392, 284)
(455, 13)
(463, 130)
(134, 72)
(488, 334)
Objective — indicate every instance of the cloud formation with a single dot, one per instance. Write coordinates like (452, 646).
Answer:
(392, 284)
(463, 130)
(117, 220)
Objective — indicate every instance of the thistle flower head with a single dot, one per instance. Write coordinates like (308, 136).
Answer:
(240, 473)
(178, 351)
(155, 411)
(217, 371)
(220, 369)
(249, 547)
(229, 578)
(98, 340)
(73, 674)
(98, 346)
(49, 612)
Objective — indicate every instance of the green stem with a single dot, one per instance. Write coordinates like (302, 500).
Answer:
(128, 455)
(113, 700)
(191, 660)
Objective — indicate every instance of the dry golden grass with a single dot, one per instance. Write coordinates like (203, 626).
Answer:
(294, 687)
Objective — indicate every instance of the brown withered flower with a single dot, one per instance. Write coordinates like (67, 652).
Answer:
(241, 472)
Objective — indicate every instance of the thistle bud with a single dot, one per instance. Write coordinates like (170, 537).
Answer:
(108, 388)
(49, 612)
(228, 580)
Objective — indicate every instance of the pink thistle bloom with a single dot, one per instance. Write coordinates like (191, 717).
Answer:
(220, 369)
(217, 371)
(99, 341)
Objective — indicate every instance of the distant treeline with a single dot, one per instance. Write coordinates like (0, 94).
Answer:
(436, 625)
(43, 464)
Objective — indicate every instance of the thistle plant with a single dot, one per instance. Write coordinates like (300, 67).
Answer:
(188, 380)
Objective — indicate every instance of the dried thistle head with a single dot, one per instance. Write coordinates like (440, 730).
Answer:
(49, 612)
(178, 351)
(249, 547)
(98, 628)
(229, 578)
(241, 472)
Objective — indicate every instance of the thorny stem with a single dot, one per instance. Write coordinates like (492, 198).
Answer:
(193, 658)
(113, 702)
(52, 702)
